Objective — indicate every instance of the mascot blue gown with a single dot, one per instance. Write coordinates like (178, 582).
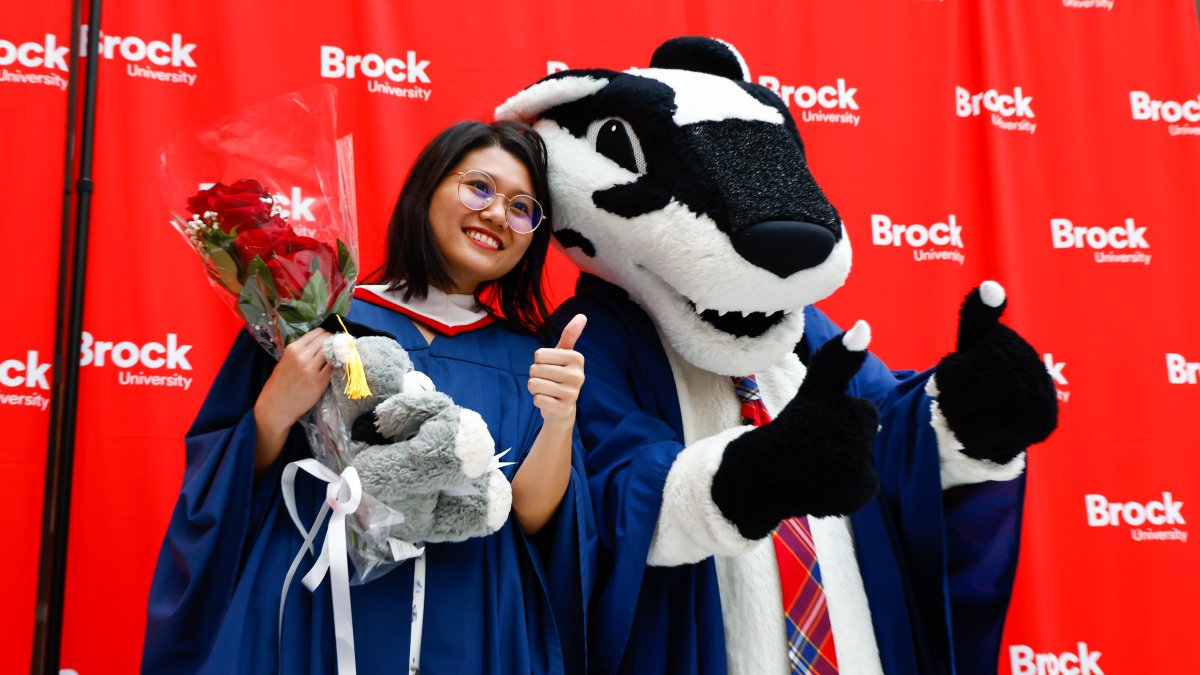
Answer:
(683, 193)
(919, 549)
(505, 603)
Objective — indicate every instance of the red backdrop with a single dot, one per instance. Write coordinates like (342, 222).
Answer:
(1052, 145)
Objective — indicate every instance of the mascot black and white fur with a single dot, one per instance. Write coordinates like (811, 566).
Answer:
(683, 193)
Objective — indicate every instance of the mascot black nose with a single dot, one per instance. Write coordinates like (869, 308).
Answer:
(784, 247)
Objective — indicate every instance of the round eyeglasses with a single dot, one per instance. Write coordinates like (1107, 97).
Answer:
(477, 191)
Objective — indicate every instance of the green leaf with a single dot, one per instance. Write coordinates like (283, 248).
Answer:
(258, 269)
(224, 267)
(342, 304)
(294, 311)
(221, 238)
(316, 292)
(346, 261)
(253, 305)
(310, 306)
(289, 331)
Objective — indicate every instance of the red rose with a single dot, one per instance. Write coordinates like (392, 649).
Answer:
(239, 205)
(297, 259)
(260, 241)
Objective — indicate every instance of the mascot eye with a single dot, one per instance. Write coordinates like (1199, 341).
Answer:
(614, 138)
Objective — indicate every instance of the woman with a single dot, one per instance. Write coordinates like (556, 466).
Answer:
(469, 226)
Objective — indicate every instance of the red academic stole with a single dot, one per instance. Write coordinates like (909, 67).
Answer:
(367, 296)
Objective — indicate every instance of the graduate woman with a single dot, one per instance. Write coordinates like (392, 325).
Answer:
(469, 229)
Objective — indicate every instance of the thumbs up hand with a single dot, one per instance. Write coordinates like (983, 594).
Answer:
(814, 458)
(556, 376)
(993, 389)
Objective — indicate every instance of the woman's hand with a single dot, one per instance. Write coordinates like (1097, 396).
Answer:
(556, 376)
(555, 379)
(295, 386)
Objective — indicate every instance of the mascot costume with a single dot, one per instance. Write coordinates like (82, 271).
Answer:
(683, 194)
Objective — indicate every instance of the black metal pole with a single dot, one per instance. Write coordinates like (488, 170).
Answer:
(64, 392)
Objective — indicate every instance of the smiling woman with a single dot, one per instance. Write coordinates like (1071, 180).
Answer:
(461, 294)
(478, 245)
(432, 228)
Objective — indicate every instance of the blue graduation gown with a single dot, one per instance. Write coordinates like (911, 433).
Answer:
(655, 619)
(506, 603)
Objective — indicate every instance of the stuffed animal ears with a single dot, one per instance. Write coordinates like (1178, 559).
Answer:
(341, 350)
(698, 54)
(701, 55)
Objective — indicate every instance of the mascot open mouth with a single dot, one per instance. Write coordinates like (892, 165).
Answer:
(731, 322)
(741, 324)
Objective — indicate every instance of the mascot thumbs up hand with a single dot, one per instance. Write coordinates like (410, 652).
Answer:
(994, 396)
(814, 458)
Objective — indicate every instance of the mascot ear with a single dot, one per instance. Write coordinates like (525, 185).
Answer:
(702, 55)
(570, 85)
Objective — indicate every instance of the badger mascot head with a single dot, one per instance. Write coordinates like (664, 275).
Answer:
(655, 191)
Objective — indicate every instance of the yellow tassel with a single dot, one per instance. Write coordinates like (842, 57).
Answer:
(356, 378)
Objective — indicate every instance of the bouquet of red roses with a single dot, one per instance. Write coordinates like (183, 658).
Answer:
(266, 197)
(285, 283)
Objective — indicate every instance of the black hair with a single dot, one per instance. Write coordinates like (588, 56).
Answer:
(414, 262)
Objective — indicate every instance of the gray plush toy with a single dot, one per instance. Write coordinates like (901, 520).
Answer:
(415, 449)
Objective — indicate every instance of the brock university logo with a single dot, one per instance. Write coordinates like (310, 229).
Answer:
(1155, 520)
(831, 103)
(388, 75)
(140, 364)
(41, 62)
(941, 240)
(1181, 117)
(25, 381)
(1082, 661)
(1010, 111)
(29, 376)
(169, 59)
(1123, 244)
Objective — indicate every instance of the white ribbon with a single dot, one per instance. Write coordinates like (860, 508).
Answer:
(402, 550)
(342, 496)
(418, 616)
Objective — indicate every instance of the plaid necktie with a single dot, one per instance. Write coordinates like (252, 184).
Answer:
(810, 637)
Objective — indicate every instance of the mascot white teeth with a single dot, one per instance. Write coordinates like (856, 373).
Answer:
(824, 514)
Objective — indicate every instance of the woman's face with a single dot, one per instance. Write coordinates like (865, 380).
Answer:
(478, 246)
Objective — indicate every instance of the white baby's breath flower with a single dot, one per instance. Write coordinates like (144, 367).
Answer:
(276, 208)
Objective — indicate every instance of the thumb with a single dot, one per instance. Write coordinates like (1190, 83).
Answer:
(837, 361)
(572, 332)
(980, 313)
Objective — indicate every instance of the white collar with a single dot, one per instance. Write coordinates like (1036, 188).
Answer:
(449, 309)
